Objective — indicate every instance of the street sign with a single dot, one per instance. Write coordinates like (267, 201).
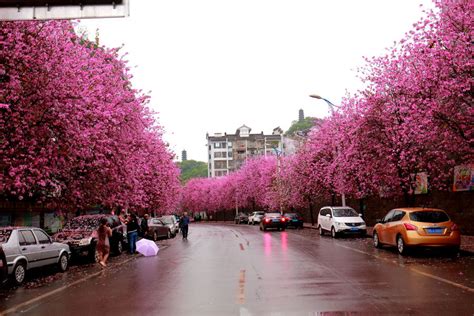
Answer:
(11, 10)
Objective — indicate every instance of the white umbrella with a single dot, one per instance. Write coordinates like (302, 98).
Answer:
(147, 247)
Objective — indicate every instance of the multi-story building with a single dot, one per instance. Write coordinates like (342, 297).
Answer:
(227, 152)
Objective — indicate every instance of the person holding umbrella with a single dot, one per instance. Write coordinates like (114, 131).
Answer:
(183, 224)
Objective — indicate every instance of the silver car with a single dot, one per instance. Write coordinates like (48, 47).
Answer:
(172, 223)
(29, 247)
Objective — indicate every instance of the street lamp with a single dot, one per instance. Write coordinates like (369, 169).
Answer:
(278, 153)
(331, 106)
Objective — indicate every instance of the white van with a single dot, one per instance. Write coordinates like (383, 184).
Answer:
(340, 220)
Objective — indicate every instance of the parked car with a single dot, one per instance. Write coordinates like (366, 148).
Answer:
(27, 247)
(172, 223)
(255, 217)
(158, 229)
(3, 262)
(340, 220)
(415, 227)
(241, 218)
(80, 233)
(294, 220)
(273, 220)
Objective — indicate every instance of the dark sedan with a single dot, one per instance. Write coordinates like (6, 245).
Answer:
(158, 229)
(241, 218)
(273, 220)
(294, 220)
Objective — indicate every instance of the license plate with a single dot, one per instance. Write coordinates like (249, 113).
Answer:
(434, 230)
(354, 229)
(275, 220)
(295, 220)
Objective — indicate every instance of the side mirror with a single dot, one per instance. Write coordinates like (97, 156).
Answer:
(360, 214)
(328, 215)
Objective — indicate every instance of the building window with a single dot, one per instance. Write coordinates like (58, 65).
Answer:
(229, 154)
(229, 144)
(217, 145)
(220, 154)
(220, 164)
(223, 144)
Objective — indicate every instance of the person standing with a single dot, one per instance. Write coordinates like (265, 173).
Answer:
(103, 244)
(132, 232)
(144, 226)
(184, 225)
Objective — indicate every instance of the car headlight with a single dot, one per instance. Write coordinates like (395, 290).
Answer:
(85, 241)
(340, 224)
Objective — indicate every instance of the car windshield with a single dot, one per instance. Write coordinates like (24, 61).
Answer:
(4, 235)
(272, 215)
(345, 212)
(291, 215)
(429, 216)
(167, 220)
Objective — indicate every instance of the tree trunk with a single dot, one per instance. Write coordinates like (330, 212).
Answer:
(311, 212)
(361, 206)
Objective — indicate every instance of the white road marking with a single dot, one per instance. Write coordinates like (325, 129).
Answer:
(429, 275)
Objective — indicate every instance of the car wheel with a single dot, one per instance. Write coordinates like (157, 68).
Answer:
(63, 262)
(454, 251)
(377, 243)
(261, 227)
(19, 273)
(93, 254)
(168, 234)
(401, 245)
(333, 232)
(119, 248)
(321, 231)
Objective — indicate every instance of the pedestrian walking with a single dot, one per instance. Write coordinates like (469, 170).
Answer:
(132, 232)
(103, 244)
(184, 225)
(144, 226)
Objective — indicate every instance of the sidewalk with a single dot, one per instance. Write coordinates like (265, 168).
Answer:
(467, 242)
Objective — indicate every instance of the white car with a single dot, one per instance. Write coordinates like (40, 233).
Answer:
(255, 217)
(340, 220)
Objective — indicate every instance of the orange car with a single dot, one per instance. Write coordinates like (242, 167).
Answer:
(410, 227)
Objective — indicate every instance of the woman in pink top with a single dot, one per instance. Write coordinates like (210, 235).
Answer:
(103, 244)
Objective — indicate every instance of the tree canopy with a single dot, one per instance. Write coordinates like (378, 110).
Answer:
(192, 169)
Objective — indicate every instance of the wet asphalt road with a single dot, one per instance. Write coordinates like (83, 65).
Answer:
(239, 270)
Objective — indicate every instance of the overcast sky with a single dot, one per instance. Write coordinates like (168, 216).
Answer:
(213, 65)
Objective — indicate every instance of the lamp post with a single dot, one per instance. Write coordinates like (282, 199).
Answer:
(331, 106)
(278, 153)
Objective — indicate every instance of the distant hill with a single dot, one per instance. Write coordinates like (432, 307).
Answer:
(192, 169)
(304, 125)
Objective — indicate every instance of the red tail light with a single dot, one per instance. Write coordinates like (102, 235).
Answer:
(409, 226)
(283, 219)
(454, 227)
(267, 220)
